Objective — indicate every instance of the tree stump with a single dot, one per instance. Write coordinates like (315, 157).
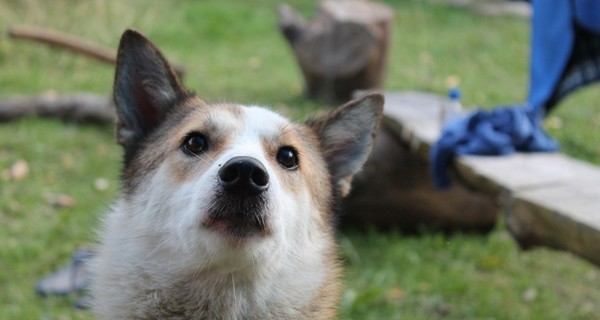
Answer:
(342, 50)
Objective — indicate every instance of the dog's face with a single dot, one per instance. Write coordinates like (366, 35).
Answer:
(220, 181)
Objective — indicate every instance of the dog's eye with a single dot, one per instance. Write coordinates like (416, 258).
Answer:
(194, 144)
(288, 158)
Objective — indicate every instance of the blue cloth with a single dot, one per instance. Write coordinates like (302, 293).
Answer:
(501, 131)
(554, 28)
(565, 55)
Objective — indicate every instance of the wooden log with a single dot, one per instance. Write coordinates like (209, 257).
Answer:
(343, 49)
(81, 107)
(394, 191)
(72, 43)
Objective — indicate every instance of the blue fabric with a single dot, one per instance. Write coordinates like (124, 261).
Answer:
(501, 131)
(554, 72)
(552, 40)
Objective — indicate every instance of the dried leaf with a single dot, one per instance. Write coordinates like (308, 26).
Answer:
(19, 170)
(61, 200)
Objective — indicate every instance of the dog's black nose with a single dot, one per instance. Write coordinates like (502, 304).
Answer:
(244, 176)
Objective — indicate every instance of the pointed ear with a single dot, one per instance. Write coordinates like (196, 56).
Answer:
(347, 136)
(145, 87)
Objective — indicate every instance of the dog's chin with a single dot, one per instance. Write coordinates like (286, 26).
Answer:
(238, 220)
(235, 231)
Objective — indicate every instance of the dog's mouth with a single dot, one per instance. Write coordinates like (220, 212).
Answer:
(238, 218)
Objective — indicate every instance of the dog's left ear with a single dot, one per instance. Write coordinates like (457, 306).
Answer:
(145, 88)
(347, 136)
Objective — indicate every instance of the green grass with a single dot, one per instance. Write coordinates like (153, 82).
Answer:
(389, 275)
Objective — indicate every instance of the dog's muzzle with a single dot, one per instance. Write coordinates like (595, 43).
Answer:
(239, 208)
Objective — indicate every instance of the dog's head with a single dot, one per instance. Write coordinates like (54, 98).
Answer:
(202, 177)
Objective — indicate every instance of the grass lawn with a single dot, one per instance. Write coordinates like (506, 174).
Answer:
(232, 50)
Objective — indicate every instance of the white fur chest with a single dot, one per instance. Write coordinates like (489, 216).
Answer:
(139, 276)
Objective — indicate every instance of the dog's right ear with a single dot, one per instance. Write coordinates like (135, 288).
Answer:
(347, 136)
(145, 88)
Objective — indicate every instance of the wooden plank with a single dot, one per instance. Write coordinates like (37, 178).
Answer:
(522, 171)
(565, 217)
(580, 200)
(416, 116)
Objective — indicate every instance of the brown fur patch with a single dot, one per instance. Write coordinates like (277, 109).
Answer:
(311, 174)
(215, 123)
(164, 145)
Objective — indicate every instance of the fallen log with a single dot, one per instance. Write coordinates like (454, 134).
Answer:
(80, 107)
(394, 191)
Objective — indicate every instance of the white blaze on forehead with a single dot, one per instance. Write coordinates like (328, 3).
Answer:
(262, 122)
(255, 126)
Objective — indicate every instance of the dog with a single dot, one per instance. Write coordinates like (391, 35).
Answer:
(226, 211)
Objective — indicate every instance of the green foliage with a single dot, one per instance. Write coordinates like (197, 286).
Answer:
(232, 50)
